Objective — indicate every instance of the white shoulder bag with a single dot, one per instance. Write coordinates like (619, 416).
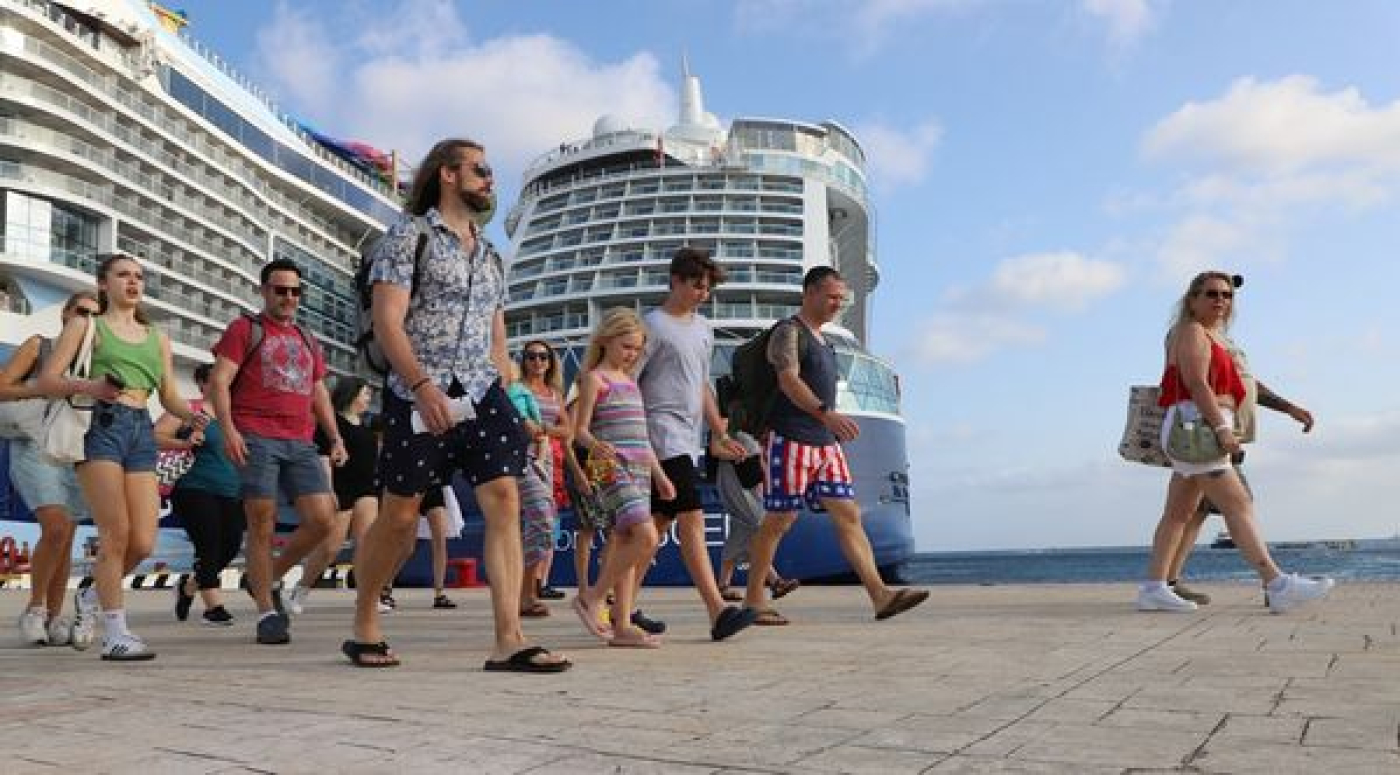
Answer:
(66, 420)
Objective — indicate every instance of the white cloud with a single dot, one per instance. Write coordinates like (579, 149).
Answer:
(863, 27)
(899, 157)
(1127, 21)
(1064, 280)
(971, 323)
(961, 339)
(520, 95)
(1265, 157)
(1279, 127)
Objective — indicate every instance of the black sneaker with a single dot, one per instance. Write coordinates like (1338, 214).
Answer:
(218, 616)
(272, 630)
(550, 593)
(646, 624)
(183, 601)
(443, 601)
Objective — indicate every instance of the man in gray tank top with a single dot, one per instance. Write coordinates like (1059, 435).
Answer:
(806, 465)
(674, 377)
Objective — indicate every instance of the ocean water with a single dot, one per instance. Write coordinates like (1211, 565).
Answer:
(1371, 560)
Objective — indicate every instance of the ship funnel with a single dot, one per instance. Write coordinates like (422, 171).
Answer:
(692, 102)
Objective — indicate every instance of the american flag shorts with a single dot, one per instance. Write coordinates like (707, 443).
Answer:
(798, 473)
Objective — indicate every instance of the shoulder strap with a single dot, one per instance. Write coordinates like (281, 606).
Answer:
(424, 230)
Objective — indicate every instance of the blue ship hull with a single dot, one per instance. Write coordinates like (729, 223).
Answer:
(809, 551)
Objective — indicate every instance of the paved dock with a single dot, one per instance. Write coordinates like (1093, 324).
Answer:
(979, 679)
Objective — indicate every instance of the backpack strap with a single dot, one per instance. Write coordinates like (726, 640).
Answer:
(424, 230)
(257, 335)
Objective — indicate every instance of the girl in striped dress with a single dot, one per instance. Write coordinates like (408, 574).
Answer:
(611, 423)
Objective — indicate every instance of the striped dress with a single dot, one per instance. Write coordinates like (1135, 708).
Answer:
(619, 418)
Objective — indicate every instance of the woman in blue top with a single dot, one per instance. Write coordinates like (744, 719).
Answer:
(206, 500)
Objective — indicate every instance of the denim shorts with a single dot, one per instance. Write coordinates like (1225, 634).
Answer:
(41, 483)
(121, 434)
(282, 467)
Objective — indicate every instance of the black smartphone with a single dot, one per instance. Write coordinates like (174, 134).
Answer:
(115, 381)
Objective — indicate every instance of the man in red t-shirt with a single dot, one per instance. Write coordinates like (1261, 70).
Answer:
(268, 393)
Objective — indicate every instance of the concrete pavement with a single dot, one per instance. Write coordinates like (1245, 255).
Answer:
(979, 679)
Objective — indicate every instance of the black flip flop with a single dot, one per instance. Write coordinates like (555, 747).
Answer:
(903, 600)
(731, 621)
(523, 661)
(357, 652)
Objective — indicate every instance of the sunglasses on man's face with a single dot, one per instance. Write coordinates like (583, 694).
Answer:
(293, 291)
(481, 170)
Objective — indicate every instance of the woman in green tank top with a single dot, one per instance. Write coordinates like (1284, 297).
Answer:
(130, 360)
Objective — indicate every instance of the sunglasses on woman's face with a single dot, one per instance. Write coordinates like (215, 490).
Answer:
(1213, 293)
(86, 312)
(536, 355)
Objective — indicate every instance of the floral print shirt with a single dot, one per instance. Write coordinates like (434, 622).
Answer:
(450, 313)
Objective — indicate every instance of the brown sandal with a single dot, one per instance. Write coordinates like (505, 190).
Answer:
(536, 610)
(769, 617)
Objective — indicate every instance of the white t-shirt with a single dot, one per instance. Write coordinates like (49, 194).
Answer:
(675, 368)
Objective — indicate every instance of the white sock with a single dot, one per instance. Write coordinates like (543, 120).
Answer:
(1280, 581)
(38, 609)
(114, 623)
(1153, 586)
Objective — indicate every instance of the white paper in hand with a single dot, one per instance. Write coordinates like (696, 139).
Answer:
(459, 409)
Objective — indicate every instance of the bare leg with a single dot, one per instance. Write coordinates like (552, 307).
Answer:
(761, 550)
(845, 517)
(583, 551)
(257, 549)
(437, 546)
(52, 558)
(317, 512)
(377, 558)
(1227, 492)
(103, 487)
(1190, 532)
(325, 552)
(1183, 496)
(629, 549)
(696, 554)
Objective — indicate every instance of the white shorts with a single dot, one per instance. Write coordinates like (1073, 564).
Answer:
(1189, 411)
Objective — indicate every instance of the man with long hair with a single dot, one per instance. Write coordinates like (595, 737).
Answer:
(440, 321)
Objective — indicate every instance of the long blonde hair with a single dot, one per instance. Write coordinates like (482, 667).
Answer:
(1183, 305)
(616, 322)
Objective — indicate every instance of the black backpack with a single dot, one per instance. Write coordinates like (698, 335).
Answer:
(751, 388)
(369, 348)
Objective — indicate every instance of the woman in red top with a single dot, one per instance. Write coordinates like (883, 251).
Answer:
(1200, 381)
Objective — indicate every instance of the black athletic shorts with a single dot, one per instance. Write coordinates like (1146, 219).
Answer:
(685, 476)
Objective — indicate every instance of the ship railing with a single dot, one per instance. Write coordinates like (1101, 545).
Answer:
(152, 113)
(133, 139)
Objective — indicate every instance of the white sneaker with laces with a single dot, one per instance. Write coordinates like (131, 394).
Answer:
(31, 628)
(126, 648)
(84, 619)
(60, 631)
(296, 600)
(1298, 591)
(1162, 599)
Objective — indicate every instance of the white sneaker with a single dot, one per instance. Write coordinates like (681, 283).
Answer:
(296, 600)
(60, 631)
(126, 648)
(84, 619)
(31, 628)
(1162, 599)
(1297, 591)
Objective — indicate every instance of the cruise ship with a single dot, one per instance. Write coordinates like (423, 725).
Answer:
(599, 219)
(120, 133)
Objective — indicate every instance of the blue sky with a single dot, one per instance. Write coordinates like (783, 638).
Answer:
(1046, 174)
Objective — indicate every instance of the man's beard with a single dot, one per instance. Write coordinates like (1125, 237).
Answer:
(476, 201)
